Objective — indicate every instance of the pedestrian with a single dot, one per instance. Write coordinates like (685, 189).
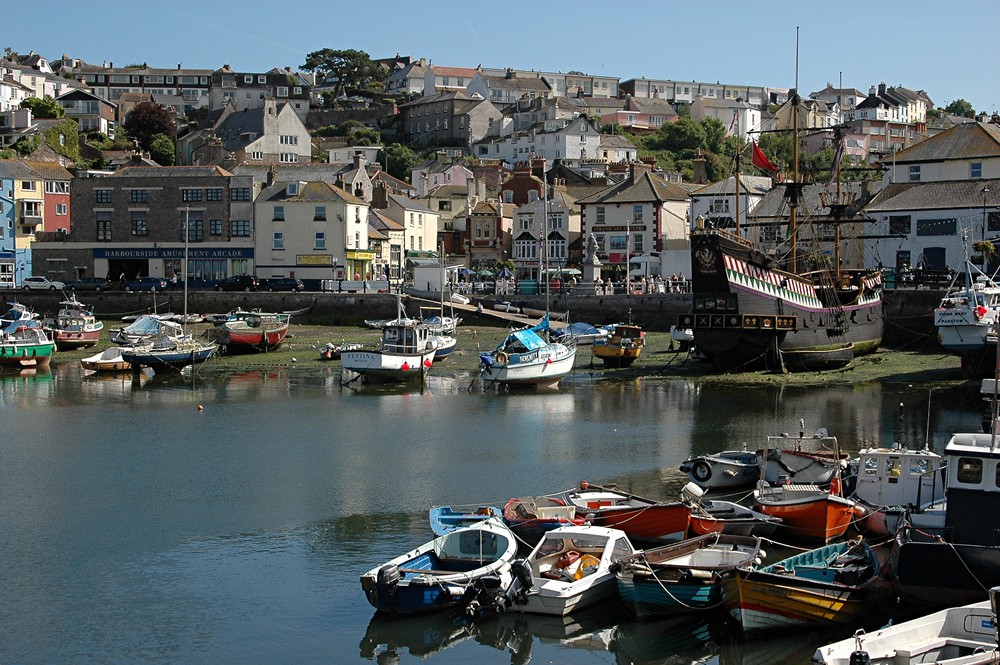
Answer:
(173, 280)
(357, 276)
(121, 278)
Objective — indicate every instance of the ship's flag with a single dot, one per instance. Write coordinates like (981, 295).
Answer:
(761, 161)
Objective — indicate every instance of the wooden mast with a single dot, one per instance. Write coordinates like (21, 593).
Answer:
(793, 214)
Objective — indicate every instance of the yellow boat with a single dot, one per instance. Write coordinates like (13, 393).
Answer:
(827, 586)
(622, 347)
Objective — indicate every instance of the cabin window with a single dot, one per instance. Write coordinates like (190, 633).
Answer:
(970, 470)
(871, 466)
(918, 466)
(892, 467)
(478, 543)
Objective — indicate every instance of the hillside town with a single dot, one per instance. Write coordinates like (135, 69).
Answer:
(362, 168)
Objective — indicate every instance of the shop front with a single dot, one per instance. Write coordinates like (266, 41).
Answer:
(205, 264)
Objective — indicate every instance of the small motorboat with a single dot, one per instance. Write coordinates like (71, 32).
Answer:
(583, 333)
(961, 635)
(715, 516)
(644, 520)
(531, 517)
(448, 518)
(729, 469)
(685, 576)
(468, 567)
(109, 360)
(332, 351)
(826, 586)
(570, 569)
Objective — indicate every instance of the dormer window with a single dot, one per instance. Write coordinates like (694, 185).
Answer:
(292, 189)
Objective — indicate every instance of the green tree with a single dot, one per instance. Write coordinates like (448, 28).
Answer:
(350, 69)
(398, 160)
(715, 132)
(161, 150)
(959, 107)
(684, 134)
(43, 108)
(147, 120)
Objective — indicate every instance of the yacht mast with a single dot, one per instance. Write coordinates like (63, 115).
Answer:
(793, 213)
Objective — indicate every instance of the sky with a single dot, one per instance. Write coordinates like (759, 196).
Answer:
(945, 48)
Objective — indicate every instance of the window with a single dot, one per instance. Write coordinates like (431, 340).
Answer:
(600, 214)
(976, 170)
(240, 194)
(191, 195)
(195, 225)
(279, 214)
(215, 227)
(261, 78)
(637, 212)
(282, 91)
(56, 187)
(103, 195)
(993, 221)
(241, 228)
(288, 157)
(140, 223)
(138, 196)
(936, 227)
(914, 172)
(288, 139)
(320, 240)
(411, 220)
(248, 78)
(320, 214)
(61, 209)
(213, 194)
(104, 225)
(900, 224)
(970, 470)
(297, 90)
(444, 205)
(257, 155)
(637, 242)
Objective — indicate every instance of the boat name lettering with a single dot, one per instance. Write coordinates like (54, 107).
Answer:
(776, 591)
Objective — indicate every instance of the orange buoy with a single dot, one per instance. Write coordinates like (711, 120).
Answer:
(201, 408)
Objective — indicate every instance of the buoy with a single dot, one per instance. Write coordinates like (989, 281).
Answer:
(428, 363)
(294, 359)
(405, 367)
(201, 408)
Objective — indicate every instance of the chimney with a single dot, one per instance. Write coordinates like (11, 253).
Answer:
(380, 196)
(700, 173)
(481, 188)
(881, 89)
(636, 169)
(359, 161)
(270, 175)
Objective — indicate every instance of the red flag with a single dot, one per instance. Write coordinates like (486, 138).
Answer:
(761, 161)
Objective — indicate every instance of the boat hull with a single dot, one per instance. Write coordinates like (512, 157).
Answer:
(15, 355)
(163, 359)
(747, 313)
(934, 573)
(545, 370)
(67, 340)
(659, 523)
(806, 512)
(558, 599)
(378, 367)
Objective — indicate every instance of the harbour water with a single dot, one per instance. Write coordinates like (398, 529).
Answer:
(138, 528)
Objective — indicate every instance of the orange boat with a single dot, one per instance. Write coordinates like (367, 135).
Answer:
(808, 511)
(644, 520)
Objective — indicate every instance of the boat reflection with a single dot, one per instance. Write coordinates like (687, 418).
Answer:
(25, 387)
(671, 640)
(388, 638)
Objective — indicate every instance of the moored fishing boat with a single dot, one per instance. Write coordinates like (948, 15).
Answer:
(107, 361)
(728, 469)
(526, 358)
(405, 353)
(74, 326)
(644, 520)
(898, 486)
(249, 332)
(826, 586)
(448, 518)
(25, 345)
(622, 347)
(531, 517)
(726, 517)
(570, 569)
(685, 576)
(452, 570)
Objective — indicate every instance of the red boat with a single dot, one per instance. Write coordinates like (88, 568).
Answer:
(74, 327)
(645, 520)
(250, 332)
(530, 517)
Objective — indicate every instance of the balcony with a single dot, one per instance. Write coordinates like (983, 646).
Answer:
(30, 219)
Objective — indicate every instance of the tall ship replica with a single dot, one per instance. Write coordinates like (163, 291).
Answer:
(757, 306)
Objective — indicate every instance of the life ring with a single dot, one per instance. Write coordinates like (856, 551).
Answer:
(980, 312)
(701, 471)
(567, 559)
(502, 358)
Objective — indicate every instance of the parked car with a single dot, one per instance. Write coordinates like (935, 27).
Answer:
(281, 284)
(147, 284)
(237, 283)
(89, 284)
(42, 283)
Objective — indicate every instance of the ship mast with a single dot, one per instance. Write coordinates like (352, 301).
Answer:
(794, 203)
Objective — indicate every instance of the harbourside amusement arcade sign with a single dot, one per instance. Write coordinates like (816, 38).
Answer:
(174, 253)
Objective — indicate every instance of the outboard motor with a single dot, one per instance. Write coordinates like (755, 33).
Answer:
(485, 363)
(859, 656)
(521, 570)
(387, 575)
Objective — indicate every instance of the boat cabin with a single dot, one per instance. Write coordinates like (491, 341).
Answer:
(973, 479)
(406, 338)
(899, 477)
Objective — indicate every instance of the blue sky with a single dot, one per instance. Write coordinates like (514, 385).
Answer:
(944, 48)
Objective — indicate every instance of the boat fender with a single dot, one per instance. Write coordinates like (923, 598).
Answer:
(701, 471)
(860, 658)
(502, 358)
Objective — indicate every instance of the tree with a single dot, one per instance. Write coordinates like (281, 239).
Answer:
(684, 134)
(43, 108)
(959, 107)
(147, 120)
(398, 160)
(10, 54)
(715, 132)
(161, 150)
(350, 69)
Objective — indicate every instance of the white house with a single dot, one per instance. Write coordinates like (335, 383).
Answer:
(739, 117)
(566, 139)
(716, 203)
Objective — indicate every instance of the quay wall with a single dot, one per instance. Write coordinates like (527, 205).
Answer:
(909, 313)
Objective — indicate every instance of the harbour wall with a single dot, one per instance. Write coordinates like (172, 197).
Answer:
(909, 313)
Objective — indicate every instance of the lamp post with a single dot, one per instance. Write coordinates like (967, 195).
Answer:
(986, 193)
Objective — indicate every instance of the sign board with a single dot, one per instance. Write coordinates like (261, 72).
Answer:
(314, 259)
